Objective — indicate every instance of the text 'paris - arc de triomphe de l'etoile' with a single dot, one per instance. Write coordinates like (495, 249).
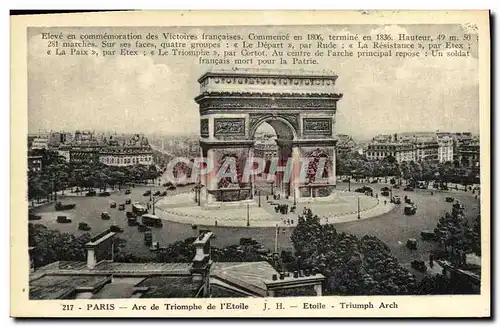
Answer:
(300, 106)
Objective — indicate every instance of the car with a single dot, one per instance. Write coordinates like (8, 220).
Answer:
(84, 227)
(121, 206)
(104, 194)
(130, 214)
(63, 220)
(410, 209)
(127, 191)
(408, 188)
(428, 235)
(112, 205)
(128, 201)
(396, 186)
(105, 216)
(396, 199)
(115, 229)
(419, 265)
(385, 193)
(147, 193)
(411, 244)
(449, 199)
(132, 221)
(91, 193)
(60, 207)
(32, 216)
(171, 187)
(164, 193)
(408, 200)
(157, 193)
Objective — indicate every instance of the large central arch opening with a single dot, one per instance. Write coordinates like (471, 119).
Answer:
(273, 137)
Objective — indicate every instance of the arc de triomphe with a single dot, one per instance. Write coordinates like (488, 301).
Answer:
(300, 106)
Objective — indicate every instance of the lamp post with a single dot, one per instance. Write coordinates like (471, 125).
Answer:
(248, 215)
(359, 217)
(259, 198)
(294, 198)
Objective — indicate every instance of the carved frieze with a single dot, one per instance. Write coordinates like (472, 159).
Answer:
(204, 128)
(265, 80)
(229, 126)
(317, 126)
(260, 101)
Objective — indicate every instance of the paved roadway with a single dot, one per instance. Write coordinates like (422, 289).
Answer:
(394, 228)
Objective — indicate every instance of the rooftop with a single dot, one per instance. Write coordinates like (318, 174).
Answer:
(267, 72)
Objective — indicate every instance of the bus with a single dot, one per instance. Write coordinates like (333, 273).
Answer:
(151, 220)
(139, 209)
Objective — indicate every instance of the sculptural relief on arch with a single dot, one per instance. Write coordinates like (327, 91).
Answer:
(300, 106)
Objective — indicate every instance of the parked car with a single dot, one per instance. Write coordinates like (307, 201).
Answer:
(112, 205)
(128, 201)
(396, 199)
(127, 191)
(396, 186)
(410, 209)
(171, 187)
(121, 206)
(449, 199)
(147, 193)
(408, 188)
(63, 220)
(428, 235)
(411, 244)
(84, 226)
(104, 194)
(32, 216)
(419, 265)
(408, 200)
(115, 229)
(164, 193)
(157, 193)
(59, 206)
(130, 214)
(91, 193)
(105, 216)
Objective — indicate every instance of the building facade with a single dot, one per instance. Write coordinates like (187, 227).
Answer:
(426, 149)
(122, 151)
(445, 151)
(400, 151)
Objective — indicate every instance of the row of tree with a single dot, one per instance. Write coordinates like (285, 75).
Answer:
(448, 172)
(59, 175)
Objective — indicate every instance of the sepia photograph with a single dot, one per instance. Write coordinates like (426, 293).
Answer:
(315, 163)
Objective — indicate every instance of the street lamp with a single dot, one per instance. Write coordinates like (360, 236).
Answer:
(259, 198)
(294, 198)
(248, 215)
(359, 217)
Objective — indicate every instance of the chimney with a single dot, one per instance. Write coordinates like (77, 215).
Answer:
(200, 269)
(98, 247)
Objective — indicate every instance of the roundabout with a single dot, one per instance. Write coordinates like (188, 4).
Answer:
(340, 207)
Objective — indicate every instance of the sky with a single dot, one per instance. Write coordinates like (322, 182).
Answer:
(156, 94)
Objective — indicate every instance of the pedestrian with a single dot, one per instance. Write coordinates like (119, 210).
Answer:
(385, 202)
